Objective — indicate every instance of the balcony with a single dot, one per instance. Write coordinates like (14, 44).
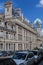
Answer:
(10, 36)
(6, 27)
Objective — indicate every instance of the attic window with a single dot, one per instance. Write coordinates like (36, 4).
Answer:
(7, 9)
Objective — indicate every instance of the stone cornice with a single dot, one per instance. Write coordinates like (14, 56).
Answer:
(17, 21)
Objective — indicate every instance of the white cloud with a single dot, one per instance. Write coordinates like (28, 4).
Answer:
(40, 4)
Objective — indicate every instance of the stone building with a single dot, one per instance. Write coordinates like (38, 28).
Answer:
(15, 31)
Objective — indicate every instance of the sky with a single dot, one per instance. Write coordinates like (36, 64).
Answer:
(31, 9)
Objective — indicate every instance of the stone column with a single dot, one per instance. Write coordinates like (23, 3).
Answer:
(16, 44)
(23, 39)
(4, 40)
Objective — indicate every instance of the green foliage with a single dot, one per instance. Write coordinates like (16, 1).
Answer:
(36, 48)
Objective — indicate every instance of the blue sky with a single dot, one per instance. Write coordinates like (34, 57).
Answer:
(31, 9)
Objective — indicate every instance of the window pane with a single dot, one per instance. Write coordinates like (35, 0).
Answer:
(19, 46)
(19, 37)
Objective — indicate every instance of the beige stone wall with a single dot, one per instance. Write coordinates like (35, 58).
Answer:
(21, 37)
(27, 39)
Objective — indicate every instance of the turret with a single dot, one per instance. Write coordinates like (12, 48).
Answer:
(38, 22)
(8, 9)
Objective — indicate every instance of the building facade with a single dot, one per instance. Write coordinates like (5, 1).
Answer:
(15, 31)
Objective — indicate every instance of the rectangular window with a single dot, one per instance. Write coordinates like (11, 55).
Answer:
(13, 28)
(9, 46)
(14, 36)
(27, 38)
(6, 46)
(1, 34)
(19, 37)
(20, 30)
(14, 46)
(1, 45)
(27, 35)
(11, 36)
(19, 46)
(9, 26)
(27, 46)
(7, 35)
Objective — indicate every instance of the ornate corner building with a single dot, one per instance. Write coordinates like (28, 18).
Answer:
(15, 32)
